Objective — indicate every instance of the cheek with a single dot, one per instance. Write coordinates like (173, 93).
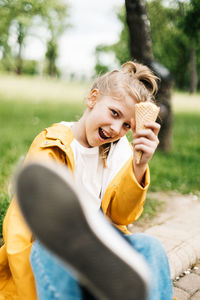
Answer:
(124, 132)
(104, 118)
(99, 117)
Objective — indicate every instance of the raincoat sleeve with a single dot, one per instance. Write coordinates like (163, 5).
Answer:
(124, 198)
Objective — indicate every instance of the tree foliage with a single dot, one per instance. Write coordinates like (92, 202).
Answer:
(18, 17)
(191, 20)
(191, 27)
(121, 48)
(174, 28)
(55, 16)
(174, 38)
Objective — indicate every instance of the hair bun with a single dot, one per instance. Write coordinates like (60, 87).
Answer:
(129, 67)
(141, 73)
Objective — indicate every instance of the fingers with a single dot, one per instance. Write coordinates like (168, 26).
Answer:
(145, 145)
(154, 126)
(146, 140)
(147, 151)
(142, 144)
(145, 137)
(151, 129)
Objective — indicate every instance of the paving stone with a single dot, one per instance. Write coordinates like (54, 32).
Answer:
(196, 296)
(198, 266)
(180, 294)
(189, 283)
(180, 238)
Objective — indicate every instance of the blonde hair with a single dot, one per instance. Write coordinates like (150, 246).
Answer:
(134, 79)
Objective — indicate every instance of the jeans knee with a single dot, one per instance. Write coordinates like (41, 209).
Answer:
(144, 242)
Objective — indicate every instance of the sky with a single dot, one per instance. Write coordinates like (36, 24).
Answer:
(93, 23)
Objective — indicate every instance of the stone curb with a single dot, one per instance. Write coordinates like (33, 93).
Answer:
(180, 237)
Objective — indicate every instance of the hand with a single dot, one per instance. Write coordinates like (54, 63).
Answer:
(146, 140)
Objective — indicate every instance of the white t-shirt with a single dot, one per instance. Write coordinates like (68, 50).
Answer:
(90, 174)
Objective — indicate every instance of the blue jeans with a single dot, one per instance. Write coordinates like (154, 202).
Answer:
(54, 281)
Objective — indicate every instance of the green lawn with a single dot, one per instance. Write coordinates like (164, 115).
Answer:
(24, 114)
(180, 169)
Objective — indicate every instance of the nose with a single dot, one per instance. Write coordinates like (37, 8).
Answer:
(116, 127)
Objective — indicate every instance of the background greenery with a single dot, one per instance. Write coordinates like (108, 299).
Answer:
(29, 104)
(174, 29)
(24, 113)
(21, 19)
(175, 32)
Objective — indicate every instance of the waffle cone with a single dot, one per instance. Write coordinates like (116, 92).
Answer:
(144, 112)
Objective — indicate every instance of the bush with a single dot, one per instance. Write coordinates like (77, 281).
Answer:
(30, 67)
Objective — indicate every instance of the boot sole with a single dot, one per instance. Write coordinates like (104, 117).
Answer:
(57, 215)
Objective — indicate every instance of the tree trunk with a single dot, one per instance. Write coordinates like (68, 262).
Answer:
(139, 29)
(193, 70)
(163, 98)
(51, 56)
(20, 39)
(141, 50)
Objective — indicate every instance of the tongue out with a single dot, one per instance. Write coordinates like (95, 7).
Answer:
(102, 135)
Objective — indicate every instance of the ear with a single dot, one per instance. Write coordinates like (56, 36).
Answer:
(92, 98)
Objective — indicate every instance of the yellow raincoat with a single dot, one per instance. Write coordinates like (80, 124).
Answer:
(122, 206)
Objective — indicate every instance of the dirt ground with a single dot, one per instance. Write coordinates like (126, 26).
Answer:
(173, 204)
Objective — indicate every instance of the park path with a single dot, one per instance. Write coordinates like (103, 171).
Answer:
(178, 229)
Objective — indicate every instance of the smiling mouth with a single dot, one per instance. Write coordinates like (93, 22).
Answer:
(103, 134)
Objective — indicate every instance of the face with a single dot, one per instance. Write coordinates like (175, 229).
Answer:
(108, 119)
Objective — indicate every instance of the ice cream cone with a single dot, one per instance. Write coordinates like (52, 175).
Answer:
(144, 112)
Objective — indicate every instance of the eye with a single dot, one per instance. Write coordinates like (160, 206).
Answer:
(127, 125)
(114, 113)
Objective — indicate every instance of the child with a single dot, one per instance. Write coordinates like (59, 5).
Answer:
(97, 152)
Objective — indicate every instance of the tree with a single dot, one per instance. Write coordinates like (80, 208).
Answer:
(141, 49)
(5, 20)
(191, 26)
(171, 41)
(55, 19)
(170, 45)
(100, 68)
(17, 16)
(175, 35)
(121, 48)
(21, 15)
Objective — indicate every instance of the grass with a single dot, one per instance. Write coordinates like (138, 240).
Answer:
(180, 169)
(29, 105)
(185, 102)
(152, 207)
(37, 89)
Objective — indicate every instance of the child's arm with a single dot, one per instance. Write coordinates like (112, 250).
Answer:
(145, 140)
(124, 199)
